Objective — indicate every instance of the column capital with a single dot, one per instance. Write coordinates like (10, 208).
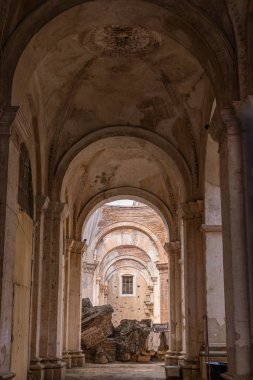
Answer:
(211, 228)
(90, 267)
(41, 203)
(57, 210)
(230, 118)
(162, 267)
(192, 209)
(172, 247)
(98, 279)
(69, 243)
(154, 279)
(78, 247)
(226, 121)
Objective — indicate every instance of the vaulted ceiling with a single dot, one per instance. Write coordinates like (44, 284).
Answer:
(117, 92)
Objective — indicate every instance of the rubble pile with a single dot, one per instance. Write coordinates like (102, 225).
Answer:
(132, 340)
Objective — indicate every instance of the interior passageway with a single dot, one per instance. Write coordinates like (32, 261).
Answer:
(111, 100)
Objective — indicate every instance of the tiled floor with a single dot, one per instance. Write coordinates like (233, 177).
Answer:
(118, 371)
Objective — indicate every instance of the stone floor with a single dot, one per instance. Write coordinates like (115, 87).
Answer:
(118, 371)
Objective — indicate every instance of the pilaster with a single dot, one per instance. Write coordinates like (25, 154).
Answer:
(52, 292)
(36, 368)
(164, 294)
(173, 250)
(194, 282)
(235, 257)
(75, 297)
(65, 354)
(9, 160)
(88, 278)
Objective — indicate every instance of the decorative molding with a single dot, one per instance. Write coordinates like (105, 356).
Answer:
(241, 44)
(231, 120)
(211, 228)
(57, 210)
(162, 267)
(78, 247)
(120, 40)
(192, 209)
(90, 268)
(172, 247)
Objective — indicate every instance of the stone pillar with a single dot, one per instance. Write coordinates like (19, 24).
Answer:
(36, 368)
(88, 279)
(75, 299)
(97, 300)
(175, 343)
(65, 332)
(236, 278)
(195, 288)
(215, 288)
(156, 299)
(9, 161)
(164, 293)
(52, 292)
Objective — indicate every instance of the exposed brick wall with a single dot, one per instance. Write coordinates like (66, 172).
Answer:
(141, 214)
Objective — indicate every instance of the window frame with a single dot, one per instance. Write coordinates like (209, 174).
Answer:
(133, 294)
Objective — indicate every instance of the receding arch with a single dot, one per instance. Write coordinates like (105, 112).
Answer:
(108, 274)
(137, 194)
(143, 241)
(183, 171)
(121, 225)
(106, 269)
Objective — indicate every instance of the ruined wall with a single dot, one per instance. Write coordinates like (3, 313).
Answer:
(138, 214)
(128, 307)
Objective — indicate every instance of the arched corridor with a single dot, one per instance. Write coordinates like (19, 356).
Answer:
(111, 100)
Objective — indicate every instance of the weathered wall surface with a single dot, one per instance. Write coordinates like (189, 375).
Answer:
(142, 214)
(21, 303)
(128, 307)
(129, 239)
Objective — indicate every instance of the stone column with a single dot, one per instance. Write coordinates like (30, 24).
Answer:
(75, 299)
(156, 299)
(215, 288)
(88, 279)
(194, 281)
(52, 292)
(236, 277)
(164, 293)
(9, 162)
(97, 300)
(66, 357)
(175, 343)
(37, 369)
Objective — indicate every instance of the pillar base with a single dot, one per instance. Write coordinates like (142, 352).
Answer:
(67, 359)
(77, 358)
(191, 370)
(55, 368)
(171, 359)
(7, 375)
(37, 369)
